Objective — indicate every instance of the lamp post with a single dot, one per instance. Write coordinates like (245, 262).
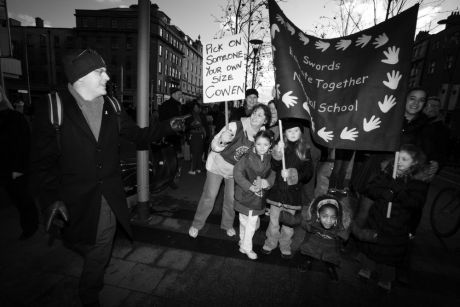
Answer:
(255, 48)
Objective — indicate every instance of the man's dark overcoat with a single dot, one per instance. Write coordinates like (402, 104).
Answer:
(84, 169)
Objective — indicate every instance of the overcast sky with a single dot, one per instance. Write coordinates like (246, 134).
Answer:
(195, 17)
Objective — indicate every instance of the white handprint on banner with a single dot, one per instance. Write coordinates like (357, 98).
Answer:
(343, 44)
(392, 54)
(289, 100)
(363, 40)
(325, 135)
(387, 104)
(393, 80)
(372, 124)
(351, 134)
(280, 19)
(290, 28)
(322, 45)
(274, 29)
(303, 38)
(381, 40)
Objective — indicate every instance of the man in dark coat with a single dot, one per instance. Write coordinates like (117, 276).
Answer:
(77, 176)
(169, 109)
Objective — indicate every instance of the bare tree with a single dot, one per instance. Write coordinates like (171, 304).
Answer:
(352, 16)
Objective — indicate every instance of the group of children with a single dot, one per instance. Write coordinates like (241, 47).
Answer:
(261, 181)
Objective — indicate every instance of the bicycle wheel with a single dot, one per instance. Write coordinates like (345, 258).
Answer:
(445, 212)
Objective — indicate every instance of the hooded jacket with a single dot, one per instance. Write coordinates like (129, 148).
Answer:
(250, 166)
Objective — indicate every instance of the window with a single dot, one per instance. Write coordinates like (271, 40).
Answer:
(129, 43)
(114, 23)
(432, 67)
(100, 23)
(160, 50)
(449, 62)
(159, 85)
(161, 31)
(128, 81)
(160, 68)
(84, 22)
(130, 23)
(166, 53)
(56, 41)
(115, 43)
(166, 69)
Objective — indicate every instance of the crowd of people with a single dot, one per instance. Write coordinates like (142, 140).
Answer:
(74, 175)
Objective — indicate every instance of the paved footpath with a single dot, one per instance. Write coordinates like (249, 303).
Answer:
(164, 267)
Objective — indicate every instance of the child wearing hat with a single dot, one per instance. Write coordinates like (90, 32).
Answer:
(327, 223)
(286, 192)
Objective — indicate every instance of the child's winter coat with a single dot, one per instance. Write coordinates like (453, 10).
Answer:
(246, 170)
(320, 243)
(292, 194)
(408, 195)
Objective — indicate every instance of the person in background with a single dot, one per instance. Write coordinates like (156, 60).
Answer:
(169, 109)
(228, 146)
(274, 127)
(436, 134)
(253, 178)
(252, 96)
(76, 173)
(14, 168)
(197, 136)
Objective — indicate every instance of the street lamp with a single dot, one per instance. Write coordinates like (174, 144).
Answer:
(255, 48)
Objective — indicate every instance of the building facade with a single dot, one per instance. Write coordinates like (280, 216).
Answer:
(114, 34)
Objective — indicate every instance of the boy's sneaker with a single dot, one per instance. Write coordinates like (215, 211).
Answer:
(191, 172)
(193, 232)
(231, 232)
(251, 255)
(266, 251)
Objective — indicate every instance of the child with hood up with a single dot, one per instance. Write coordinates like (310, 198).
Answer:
(327, 222)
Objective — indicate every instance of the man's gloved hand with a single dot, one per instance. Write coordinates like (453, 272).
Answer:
(178, 123)
(56, 214)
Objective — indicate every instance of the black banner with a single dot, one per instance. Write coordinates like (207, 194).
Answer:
(351, 89)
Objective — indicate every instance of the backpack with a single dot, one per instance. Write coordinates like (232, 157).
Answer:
(56, 114)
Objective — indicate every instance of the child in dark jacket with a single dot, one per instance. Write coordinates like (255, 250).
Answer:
(407, 193)
(286, 192)
(253, 177)
(327, 222)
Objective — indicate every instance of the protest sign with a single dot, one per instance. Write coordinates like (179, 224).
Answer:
(224, 69)
(351, 89)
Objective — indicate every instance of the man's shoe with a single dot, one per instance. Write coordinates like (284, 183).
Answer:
(193, 232)
(265, 251)
(192, 172)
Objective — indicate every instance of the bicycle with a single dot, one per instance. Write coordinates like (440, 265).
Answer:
(445, 212)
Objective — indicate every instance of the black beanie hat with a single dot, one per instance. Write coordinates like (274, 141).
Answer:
(251, 91)
(79, 63)
(291, 123)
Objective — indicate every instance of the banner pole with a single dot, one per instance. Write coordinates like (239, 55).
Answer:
(283, 160)
(226, 115)
(395, 168)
